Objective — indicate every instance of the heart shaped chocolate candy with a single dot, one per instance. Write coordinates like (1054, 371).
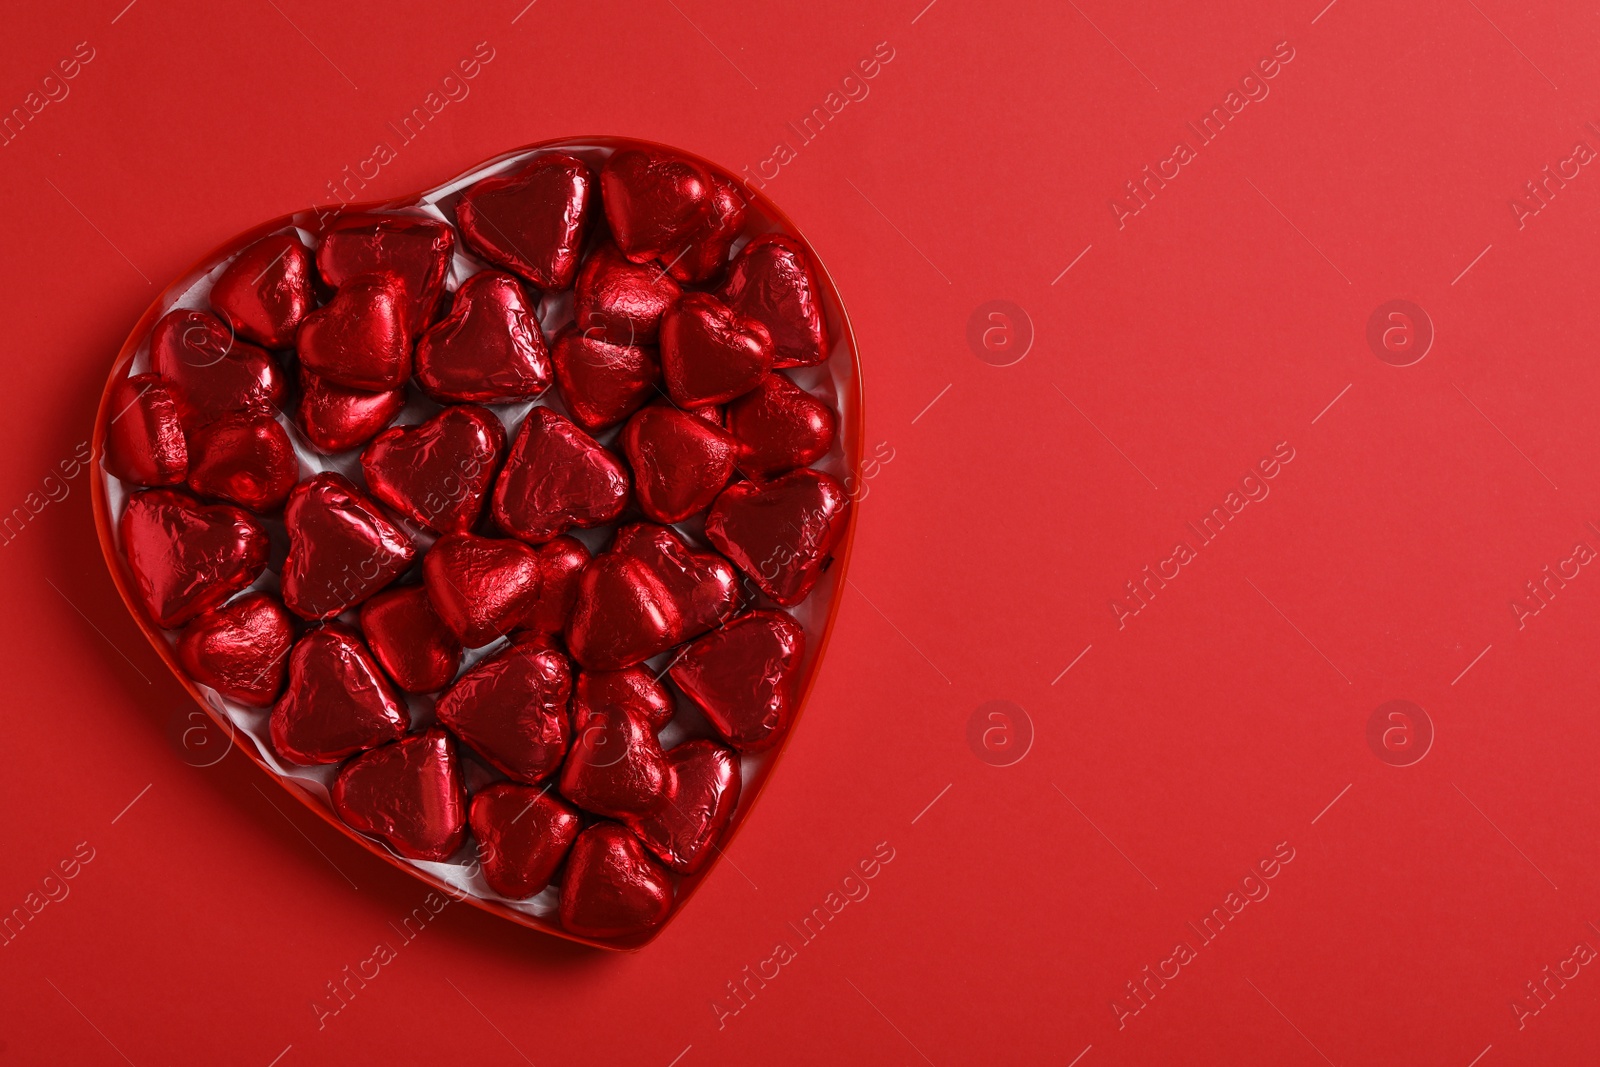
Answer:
(245, 459)
(654, 201)
(409, 640)
(742, 677)
(488, 348)
(416, 248)
(612, 887)
(523, 835)
(532, 219)
(701, 587)
(480, 586)
(512, 709)
(634, 688)
(702, 793)
(360, 338)
(680, 461)
(341, 548)
(781, 534)
(144, 441)
(187, 557)
(711, 353)
(266, 291)
(771, 280)
(557, 477)
(240, 649)
(779, 426)
(616, 766)
(620, 301)
(334, 418)
(210, 371)
(438, 473)
(624, 615)
(603, 383)
(705, 254)
(337, 702)
(409, 794)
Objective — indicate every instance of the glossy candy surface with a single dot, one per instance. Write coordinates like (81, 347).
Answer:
(557, 477)
(337, 702)
(532, 219)
(145, 443)
(265, 294)
(211, 372)
(523, 835)
(187, 557)
(408, 794)
(512, 709)
(481, 586)
(488, 348)
(415, 248)
(612, 886)
(409, 640)
(341, 548)
(437, 473)
(240, 649)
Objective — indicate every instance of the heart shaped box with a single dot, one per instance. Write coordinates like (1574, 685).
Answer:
(837, 380)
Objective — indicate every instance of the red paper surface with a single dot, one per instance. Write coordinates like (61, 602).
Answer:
(1165, 754)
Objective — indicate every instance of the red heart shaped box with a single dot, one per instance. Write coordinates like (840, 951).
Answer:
(839, 373)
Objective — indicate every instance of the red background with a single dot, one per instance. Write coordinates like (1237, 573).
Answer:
(1177, 351)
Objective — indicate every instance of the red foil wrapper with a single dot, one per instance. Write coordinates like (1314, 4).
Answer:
(416, 249)
(602, 383)
(635, 689)
(557, 477)
(655, 201)
(680, 461)
(438, 473)
(210, 371)
(334, 418)
(702, 793)
(620, 301)
(186, 557)
(616, 766)
(338, 702)
(531, 220)
(488, 348)
(409, 640)
(240, 649)
(512, 709)
(561, 563)
(771, 279)
(623, 615)
(705, 256)
(265, 293)
(700, 586)
(408, 795)
(779, 426)
(360, 338)
(780, 534)
(612, 887)
(341, 548)
(711, 353)
(245, 459)
(523, 835)
(145, 443)
(480, 586)
(742, 677)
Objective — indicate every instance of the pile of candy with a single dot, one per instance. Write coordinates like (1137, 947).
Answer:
(339, 493)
